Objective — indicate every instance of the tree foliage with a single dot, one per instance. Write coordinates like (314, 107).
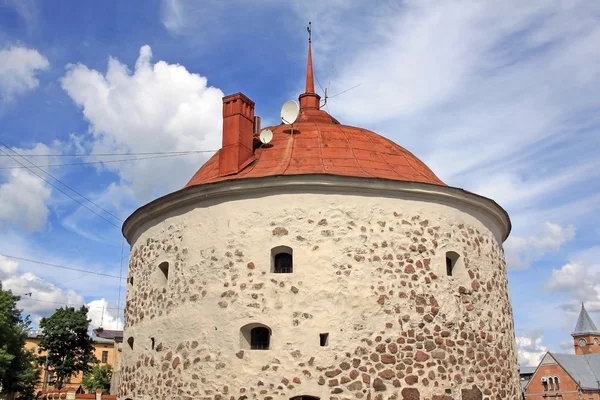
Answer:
(19, 372)
(98, 377)
(68, 345)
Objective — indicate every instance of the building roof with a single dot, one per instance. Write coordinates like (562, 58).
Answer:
(584, 369)
(585, 325)
(108, 334)
(319, 144)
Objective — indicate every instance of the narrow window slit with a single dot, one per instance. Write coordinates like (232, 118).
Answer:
(324, 339)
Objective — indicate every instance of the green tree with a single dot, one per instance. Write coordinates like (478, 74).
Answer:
(98, 378)
(19, 372)
(68, 345)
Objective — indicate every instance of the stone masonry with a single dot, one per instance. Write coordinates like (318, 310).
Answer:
(369, 271)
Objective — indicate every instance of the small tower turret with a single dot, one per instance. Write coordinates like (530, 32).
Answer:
(586, 337)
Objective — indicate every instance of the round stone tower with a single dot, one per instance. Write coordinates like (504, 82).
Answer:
(331, 264)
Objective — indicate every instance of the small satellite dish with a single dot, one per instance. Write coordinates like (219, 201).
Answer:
(266, 136)
(289, 112)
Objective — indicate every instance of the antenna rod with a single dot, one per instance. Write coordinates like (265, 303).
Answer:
(309, 29)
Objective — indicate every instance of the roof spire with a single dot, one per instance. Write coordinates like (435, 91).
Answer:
(310, 82)
(309, 99)
(585, 325)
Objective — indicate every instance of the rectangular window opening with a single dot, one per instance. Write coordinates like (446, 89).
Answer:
(105, 357)
(324, 339)
(449, 266)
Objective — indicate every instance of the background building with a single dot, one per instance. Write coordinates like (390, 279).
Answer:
(570, 376)
(107, 349)
(328, 262)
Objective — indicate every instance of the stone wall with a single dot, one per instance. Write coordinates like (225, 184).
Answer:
(369, 271)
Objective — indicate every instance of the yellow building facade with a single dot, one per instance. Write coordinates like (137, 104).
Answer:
(107, 350)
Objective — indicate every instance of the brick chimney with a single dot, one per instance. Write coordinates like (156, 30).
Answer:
(238, 129)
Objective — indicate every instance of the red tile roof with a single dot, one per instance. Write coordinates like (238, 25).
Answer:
(319, 144)
(316, 147)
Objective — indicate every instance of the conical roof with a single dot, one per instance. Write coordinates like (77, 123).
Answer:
(585, 325)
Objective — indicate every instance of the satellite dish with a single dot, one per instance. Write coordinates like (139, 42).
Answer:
(289, 112)
(266, 136)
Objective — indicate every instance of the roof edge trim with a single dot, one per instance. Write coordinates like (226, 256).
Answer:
(222, 189)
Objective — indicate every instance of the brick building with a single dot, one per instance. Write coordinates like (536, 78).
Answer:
(570, 376)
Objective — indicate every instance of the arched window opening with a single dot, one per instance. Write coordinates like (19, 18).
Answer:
(260, 338)
(130, 342)
(451, 260)
(152, 342)
(163, 273)
(304, 397)
(551, 384)
(282, 260)
(130, 280)
(556, 386)
(255, 336)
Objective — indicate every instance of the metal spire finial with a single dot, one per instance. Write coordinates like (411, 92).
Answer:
(309, 30)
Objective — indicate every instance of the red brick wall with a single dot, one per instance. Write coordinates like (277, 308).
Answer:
(567, 387)
(589, 348)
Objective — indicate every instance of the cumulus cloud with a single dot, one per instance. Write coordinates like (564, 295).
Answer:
(18, 69)
(103, 315)
(24, 197)
(530, 349)
(522, 250)
(579, 279)
(40, 297)
(158, 107)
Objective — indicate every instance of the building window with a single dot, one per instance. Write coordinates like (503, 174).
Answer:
(163, 273)
(152, 341)
(304, 398)
(582, 342)
(556, 386)
(551, 384)
(282, 260)
(324, 339)
(105, 357)
(259, 338)
(130, 280)
(130, 342)
(545, 383)
(451, 259)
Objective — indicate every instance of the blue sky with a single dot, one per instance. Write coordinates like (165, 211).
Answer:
(498, 98)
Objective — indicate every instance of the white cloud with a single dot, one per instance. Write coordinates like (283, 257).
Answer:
(522, 250)
(39, 297)
(530, 349)
(579, 279)
(159, 107)
(23, 201)
(103, 315)
(18, 69)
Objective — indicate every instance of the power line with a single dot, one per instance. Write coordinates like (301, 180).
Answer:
(60, 266)
(117, 154)
(60, 190)
(64, 304)
(101, 162)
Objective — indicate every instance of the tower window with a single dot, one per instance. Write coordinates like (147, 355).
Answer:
(130, 280)
(259, 338)
(163, 273)
(324, 339)
(152, 342)
(282, 260)
(451, 260)
(304, 398)
(130, 342)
